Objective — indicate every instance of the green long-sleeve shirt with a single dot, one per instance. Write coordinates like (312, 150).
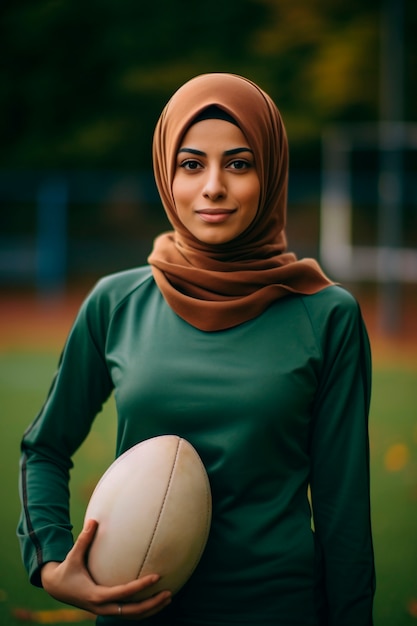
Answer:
(272, 406)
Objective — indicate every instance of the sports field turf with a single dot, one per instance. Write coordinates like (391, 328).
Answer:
(25, 372)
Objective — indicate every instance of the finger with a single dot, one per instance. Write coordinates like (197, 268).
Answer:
(90, 528)
(139, 584)
(84, 539)
(127, 590)
(87, 534)
(143, 609)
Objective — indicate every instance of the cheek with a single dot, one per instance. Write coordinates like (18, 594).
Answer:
(181, 193)
(252, 196)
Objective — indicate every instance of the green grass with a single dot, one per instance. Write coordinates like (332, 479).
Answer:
(24, 379)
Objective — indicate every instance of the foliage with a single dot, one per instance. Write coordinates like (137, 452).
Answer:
(83, 83)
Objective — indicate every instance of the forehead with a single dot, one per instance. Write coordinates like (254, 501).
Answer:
(214, 133)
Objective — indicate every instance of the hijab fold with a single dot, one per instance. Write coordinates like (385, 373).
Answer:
(215, 287)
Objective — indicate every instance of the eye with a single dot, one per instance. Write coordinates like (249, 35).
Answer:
(190, 164)
(240, 164)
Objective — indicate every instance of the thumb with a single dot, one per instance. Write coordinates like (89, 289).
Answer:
(90, 526)
(85, 538)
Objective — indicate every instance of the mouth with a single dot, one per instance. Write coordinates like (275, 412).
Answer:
(215, 216)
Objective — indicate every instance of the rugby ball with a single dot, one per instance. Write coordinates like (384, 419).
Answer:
(153, 507)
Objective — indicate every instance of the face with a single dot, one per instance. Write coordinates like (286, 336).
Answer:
(216, 187)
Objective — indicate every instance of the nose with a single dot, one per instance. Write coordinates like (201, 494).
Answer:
(214, 185)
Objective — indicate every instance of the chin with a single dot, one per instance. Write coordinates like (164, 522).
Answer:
(215, 241)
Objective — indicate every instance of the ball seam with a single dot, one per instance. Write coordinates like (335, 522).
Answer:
(161, 509)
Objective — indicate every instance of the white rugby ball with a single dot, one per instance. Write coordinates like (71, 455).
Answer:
(153, 506)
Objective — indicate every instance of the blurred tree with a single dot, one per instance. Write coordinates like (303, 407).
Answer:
(82, 83)
(321, 62)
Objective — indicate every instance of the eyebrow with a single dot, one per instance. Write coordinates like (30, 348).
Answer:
(226, 152)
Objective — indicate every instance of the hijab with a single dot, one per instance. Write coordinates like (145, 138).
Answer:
(218, 286)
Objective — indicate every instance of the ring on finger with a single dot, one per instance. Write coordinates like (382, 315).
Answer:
(119, 610)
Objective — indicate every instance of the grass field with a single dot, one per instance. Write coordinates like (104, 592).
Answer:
(25, 374)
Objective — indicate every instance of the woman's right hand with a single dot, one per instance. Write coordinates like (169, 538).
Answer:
(71, 583)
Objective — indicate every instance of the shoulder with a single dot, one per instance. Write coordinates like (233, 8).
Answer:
(333, 312)
(114, 288)
(331, 301)
(111, 291)
(331, 296)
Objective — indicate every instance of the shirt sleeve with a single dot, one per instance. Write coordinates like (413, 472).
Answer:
(340, 479)
(80, 387)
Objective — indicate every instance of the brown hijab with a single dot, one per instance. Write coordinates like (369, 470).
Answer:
(214, 287)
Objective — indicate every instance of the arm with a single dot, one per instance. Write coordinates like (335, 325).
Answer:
(80, 387)
(340, 466)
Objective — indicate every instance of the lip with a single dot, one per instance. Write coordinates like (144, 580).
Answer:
(215, 216)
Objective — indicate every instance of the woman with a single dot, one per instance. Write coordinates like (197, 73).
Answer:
(253, 356)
